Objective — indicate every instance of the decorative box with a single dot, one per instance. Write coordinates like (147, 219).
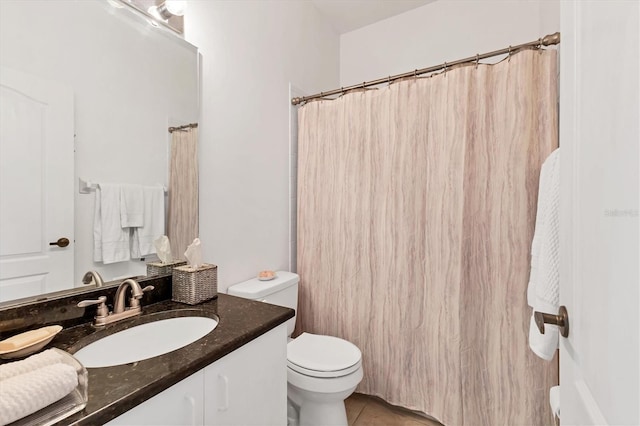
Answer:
(194, 285)
(159, 268)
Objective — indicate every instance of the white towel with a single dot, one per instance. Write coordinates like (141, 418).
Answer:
(554, 400)
(543, 292)
(131, 206)
(143, 237)
(27, 393)
(110, 240)
(39, 360)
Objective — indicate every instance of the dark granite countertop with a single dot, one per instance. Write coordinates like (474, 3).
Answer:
(114, 390)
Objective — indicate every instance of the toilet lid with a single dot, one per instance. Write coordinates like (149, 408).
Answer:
(322, 356)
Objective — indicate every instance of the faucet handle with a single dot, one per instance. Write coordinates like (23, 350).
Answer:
(101, 302)
(84, 303)
(139, 295)
(134, 301)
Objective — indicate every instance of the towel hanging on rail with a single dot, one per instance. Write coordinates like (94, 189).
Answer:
(544, 282)
(110, 240)
(127, 219)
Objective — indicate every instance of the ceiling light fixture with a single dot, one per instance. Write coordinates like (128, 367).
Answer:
(168, 8)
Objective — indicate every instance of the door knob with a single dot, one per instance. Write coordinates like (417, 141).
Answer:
(561, 320)
(62, 242)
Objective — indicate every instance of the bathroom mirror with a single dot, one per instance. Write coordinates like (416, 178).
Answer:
(128, 81)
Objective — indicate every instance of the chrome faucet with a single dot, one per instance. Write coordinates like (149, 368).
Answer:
(95, 276)
(120, 311)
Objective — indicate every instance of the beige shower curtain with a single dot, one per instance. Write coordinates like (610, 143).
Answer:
(416, 207)
(182, 217)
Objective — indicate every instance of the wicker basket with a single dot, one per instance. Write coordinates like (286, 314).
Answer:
(159, 268)
(193, 286)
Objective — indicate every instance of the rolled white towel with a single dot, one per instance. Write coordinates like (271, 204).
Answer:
(29, 392)
(42, 359)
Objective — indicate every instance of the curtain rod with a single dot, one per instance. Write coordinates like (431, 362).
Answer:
(547, 40)
(186, 126)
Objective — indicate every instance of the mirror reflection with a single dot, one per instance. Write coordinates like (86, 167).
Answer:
(89, 90)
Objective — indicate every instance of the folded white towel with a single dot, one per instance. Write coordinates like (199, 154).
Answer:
(27, 393)
(110, 240)
(39, 360)
(143, 237)
(543, 293)
(131, 206)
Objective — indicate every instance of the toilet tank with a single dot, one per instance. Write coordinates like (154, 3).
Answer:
(281, 291)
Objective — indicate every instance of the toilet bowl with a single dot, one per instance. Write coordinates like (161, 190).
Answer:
(322, 371)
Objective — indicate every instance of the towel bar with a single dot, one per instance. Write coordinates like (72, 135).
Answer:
(87, 187)
(561, 320)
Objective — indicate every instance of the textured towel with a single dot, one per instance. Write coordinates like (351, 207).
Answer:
(543, 293)
(131, 206)
(110, 240)
(27, 393)
(42, 359)
(143, 238)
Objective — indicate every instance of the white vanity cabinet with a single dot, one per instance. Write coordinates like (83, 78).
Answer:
(249, 386)
(182, 404)
(246, 387)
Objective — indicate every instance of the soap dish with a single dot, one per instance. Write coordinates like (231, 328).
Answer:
(267, 275)
(27, 343)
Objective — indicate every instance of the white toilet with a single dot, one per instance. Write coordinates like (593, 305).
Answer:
(322, 371)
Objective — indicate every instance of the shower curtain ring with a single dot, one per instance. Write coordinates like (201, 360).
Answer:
(477, 60)
(389, 81)
(509, 60)
(445, 68)
(415, 73)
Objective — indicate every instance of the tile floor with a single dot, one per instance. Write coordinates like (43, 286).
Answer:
(364, 410)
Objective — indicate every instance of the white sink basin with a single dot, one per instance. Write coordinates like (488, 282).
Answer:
(144, 341)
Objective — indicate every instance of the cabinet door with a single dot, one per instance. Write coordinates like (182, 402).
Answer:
(180, 405)
(249, 386)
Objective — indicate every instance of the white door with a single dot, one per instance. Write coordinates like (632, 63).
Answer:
(599, 121)
(36, 185)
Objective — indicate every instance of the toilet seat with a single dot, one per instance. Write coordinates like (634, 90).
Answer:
(323, 356)
(321, 374)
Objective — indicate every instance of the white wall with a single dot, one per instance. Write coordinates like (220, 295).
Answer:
(445, 30)
(130, 82)
(251, 51)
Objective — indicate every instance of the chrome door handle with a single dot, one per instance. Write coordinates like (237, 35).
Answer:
(561, 320)
(62, 242)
